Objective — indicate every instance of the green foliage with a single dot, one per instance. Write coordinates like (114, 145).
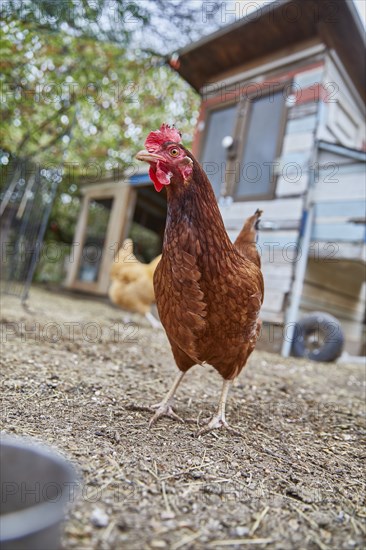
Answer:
(147, 244)
(84, 103)
(77, 93)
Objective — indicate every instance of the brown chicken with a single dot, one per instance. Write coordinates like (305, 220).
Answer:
(208, 290)
(132, 283)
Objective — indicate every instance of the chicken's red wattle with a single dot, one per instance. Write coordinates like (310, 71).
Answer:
(160, 176)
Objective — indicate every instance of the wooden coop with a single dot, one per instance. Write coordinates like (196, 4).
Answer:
(112, 210)
(281, 128)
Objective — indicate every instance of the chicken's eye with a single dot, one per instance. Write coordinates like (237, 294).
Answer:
(174, 152)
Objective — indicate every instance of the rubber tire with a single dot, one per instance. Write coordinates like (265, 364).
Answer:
(333, 337)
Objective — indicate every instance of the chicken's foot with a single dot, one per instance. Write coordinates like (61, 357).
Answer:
(164, 408)
(219, 421)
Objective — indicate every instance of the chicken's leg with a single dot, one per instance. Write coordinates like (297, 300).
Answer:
(164, 408)
(219, 421)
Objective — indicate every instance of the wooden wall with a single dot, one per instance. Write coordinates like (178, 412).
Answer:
(281, 221)
(342, 116)
(334, 280)
(335, 273)
(339, 289)
(340, 197)
(325, 106)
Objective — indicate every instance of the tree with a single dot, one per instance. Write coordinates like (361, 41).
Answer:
(157, 26)
(58, 89)
(82, 84)
(84, 80)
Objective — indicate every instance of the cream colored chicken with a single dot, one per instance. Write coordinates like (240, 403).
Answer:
(132, 283)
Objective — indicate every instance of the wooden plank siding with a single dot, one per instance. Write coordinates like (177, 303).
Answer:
(298, 142)
(338, 288)
(299, 125)
(339, 182)
(343, 307)
(340, 210)
(332, 251)
(341, 189)
(292, 184)
(308, 78)
(334, 280)
(342, 277)
(336, 232)
(281, 209)
(339, 194)
(279, 247)
(329, 156)
(285, 242)
(343, 114)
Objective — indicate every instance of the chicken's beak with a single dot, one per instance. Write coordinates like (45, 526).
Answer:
(145, 156)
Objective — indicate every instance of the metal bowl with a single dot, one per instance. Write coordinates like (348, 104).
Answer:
(36, 486)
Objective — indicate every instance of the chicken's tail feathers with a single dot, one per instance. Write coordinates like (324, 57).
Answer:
(247, 238)
(249, 230)
(257, 215)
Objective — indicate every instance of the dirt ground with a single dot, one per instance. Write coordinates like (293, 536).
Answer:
(72, 368)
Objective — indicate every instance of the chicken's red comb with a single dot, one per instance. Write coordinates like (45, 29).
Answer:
(166, 133)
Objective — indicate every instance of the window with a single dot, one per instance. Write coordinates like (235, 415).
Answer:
(220, 123)
(261, 141)
(257, 128)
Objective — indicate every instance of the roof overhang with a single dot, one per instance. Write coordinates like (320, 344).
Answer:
(274, 27)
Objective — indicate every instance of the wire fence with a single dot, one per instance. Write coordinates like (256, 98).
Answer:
(26, 202)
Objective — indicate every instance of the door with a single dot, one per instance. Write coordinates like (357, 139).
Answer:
(100, 230)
